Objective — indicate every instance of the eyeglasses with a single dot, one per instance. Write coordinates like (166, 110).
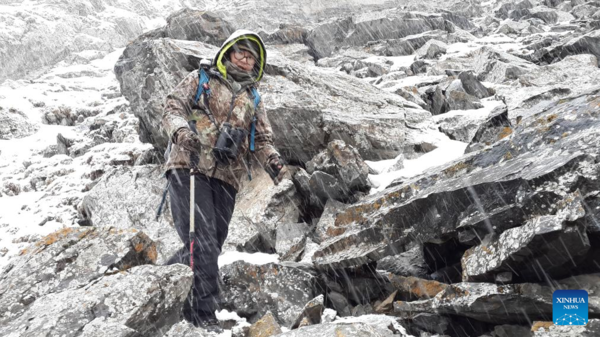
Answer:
(242, 54)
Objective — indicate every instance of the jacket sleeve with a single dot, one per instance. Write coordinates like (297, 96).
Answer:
(179, 103)
(264, 148)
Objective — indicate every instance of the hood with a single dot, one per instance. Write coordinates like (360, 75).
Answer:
(238, 35)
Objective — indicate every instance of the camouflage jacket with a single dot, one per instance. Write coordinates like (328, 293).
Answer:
(180, 108)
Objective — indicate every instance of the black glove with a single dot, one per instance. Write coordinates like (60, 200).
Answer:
(189, 141)
(274, 167)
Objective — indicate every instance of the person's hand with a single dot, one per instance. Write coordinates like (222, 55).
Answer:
(190, 142)
(275, 168)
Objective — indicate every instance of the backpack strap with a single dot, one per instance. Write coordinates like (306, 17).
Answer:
(253, 125)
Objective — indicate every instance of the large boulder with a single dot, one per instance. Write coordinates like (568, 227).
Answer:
(259, 210)
(488, 191)
(142, 301)
(83, 279)
(496, 66)
(15, 124)
(129, 197)
(359, 30)
(252, 290)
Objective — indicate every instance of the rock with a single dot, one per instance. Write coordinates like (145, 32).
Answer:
(461, 21)
(185, 328)
(195, 25)
(411, 94)
(505, 8)
(14, 124)
(496, 127)
(367, 325)
(497, 67)
(592, 328)
(326, 228)
(432, 49)
(358, 31)
(67, 260)
(412, 288)
(387, 304)
(584, 11)
(128, 197)
(384, 224)
(265, 327)
(342, 162)
(139, 302)
(158, 65)
(460, 125)
(311, 314)
(458, 99)
(290, 240)
(432, 323)
(339, 303)
(586, 44)
(486, 302)
(408, 263)
(436, 100)
(511, 330)
(75, 28)
(252, 290)
(418, 67)
(406, 45)
(472, 86)
(562, 244)
(260, 207)
(549, 16)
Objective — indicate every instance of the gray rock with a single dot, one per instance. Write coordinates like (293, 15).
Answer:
(384, 224)
(142, 301)
(290, 240)
(486, 302)
(584, 11)
(460, 125)
(14, 124)
(312, 312)
(494, 66)
(511, 330)
(366, 325)
(340, 303)
(66, 260)
(358, 31)
(504, 10)
(252, 290)
(592, 328)
(432, 49)
(260, 207)
(436, 100)
(561, 244)
(472, 86)
(549, 16)
(496, 127)
(408, 263)
(586, 44)
(195, 25)
(128, 197)
(159, 65)
(406, 45)
(458, 99)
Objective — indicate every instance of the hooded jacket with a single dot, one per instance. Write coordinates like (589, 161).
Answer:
(180, 109)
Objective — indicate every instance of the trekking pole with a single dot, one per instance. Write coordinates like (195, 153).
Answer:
(194, 160)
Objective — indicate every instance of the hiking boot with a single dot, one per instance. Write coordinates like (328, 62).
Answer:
(210, 325)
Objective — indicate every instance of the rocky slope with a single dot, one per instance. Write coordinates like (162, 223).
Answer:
(443, 168)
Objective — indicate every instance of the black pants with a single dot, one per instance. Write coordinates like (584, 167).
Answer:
(215, 201)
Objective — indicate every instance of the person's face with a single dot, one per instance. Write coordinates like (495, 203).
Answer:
(243, 59)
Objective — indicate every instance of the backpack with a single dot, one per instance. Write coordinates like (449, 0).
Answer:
(203, 87)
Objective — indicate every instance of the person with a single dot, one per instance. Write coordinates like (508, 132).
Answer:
(194, 127)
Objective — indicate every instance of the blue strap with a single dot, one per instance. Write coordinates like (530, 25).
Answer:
(202, 85)
(253, 125)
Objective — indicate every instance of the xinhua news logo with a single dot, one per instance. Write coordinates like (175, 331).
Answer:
(570, 307)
